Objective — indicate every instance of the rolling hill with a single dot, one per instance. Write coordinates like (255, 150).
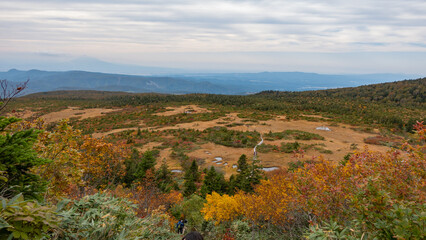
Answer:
(42, 81)
(226, 83)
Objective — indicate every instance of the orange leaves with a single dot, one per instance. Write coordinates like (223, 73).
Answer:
(77, 161)
(102, 163)
(369, 181)
(147, 197)
(271, 200)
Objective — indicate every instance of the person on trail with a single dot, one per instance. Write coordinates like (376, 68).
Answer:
(180, 225)
(193, 236)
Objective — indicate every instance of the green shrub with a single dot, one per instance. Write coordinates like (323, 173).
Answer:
(293, 134)
(101, 216)
(231, 138)
(289, 147)
(265, 148)
(402, 221)
(20, 219)
(190, 209)
(331, 230)
(241, 229)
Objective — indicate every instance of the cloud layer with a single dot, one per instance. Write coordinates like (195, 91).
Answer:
(126, 29)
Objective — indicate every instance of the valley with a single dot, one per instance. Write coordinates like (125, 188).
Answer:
(341, 140)
(317, 154)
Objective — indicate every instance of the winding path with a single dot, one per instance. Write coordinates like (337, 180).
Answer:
(260, 143)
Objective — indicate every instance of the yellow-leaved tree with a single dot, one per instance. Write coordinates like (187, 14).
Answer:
(61, 146)
(77, 163)
(223, 208)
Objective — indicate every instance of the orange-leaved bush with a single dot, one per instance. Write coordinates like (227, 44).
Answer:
(368, 183)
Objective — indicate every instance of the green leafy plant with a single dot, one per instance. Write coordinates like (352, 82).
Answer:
(20, 219)
(330, 230)
(101, 216)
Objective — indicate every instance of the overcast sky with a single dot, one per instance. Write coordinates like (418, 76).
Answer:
(329, 36)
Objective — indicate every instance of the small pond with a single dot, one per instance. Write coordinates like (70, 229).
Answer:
(268, 169)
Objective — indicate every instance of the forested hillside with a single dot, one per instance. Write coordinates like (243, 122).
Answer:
(110, 165)
(393, 105)
(408, 93)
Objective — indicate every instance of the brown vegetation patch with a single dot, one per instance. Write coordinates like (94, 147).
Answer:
(149, 146)
(74, 112)
(314, 116)
(24, 114)
(104, 134)
(385, 141)
(183, 109)
(341, 140)
(202, 125)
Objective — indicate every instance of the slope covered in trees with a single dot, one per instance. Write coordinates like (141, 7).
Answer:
(114, 188)
(394, 105)
(408, 93)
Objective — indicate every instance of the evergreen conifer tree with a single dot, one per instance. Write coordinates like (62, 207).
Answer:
(137, 165)
(17, 157)
(164, 178)
(213, 181)
(242, 163)
(192, 175)
(248, 175)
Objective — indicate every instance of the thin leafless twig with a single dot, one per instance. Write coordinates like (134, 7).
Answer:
(8, 91)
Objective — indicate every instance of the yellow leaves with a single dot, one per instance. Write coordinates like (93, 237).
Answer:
(61, 146)
(221, 208)
(270, 201)
(324, 188)
(76, 160)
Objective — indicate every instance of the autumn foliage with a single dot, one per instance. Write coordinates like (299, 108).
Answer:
(81, 165)
(365, 186)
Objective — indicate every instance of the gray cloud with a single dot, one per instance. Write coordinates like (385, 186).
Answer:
(129, 28)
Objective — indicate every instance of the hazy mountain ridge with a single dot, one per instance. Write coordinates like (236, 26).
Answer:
(42, 81)
(224, 83)
(295, 81)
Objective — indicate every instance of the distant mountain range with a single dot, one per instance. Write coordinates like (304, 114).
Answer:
(43, 81)
(293, 81)
(88, 64)
(223, 83)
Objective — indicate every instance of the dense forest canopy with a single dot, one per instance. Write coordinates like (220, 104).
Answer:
(407, 93)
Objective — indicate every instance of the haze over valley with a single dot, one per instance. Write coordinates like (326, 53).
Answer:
(214, 83)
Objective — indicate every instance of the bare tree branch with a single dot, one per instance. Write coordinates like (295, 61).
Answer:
(8, 91)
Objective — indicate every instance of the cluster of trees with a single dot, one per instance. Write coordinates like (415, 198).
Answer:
(61, 184)
(211, 180)
(370, 196)
(408, 93)
(38, 168)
